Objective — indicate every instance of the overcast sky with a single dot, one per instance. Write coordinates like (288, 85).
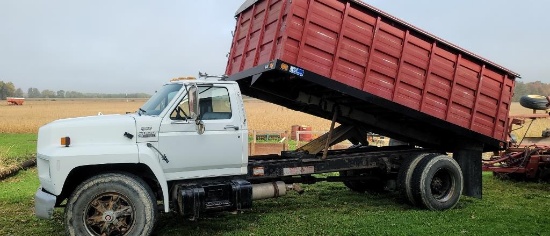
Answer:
(137, 45)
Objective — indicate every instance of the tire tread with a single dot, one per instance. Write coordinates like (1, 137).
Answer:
(98, 183)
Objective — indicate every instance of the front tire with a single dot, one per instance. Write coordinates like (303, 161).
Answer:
(111, 204)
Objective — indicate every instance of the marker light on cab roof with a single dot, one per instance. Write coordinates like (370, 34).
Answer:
(183, 78)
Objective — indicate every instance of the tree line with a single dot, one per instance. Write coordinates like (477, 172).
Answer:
(530, 88)
(8, 89)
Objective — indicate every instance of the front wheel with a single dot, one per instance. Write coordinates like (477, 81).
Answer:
(111, 204)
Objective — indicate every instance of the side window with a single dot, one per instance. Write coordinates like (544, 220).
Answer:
(214, 103)
(182, 110)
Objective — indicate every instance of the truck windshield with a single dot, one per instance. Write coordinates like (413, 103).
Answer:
(158, 102)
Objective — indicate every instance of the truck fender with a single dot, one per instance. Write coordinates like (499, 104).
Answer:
(150, 158)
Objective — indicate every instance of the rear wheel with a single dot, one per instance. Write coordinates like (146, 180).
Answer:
(405, 174)
(111, 204)
(437, 183)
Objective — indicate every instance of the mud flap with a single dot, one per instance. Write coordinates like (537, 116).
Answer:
(468, 156)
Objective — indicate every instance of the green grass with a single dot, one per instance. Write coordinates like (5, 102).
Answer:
(16, 148)
(291, 143)
(508, 208)
(17, 207)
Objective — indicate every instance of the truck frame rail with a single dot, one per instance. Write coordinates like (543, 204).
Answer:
(295, 163)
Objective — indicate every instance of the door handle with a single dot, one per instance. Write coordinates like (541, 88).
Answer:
(231, 127)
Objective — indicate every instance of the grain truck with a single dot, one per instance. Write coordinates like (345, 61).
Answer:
(186, 149)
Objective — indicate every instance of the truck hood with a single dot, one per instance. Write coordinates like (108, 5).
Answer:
(92, 130)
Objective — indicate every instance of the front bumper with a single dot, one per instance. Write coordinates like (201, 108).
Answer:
(44, 204)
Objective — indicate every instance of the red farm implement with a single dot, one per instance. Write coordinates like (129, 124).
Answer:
(529, 157)
(15, 101)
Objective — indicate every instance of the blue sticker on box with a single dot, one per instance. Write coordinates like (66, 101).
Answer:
(297, 71)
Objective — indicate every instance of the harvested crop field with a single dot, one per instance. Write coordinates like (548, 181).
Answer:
(266, 116)
(35, 113)
(261, 116)
(536, 127)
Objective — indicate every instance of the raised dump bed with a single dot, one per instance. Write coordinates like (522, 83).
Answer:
(373, 70)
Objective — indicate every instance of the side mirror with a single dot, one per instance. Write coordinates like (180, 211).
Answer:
(194, 101)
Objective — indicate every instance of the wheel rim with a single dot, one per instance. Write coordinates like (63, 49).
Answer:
(109, 214)
(442, 185)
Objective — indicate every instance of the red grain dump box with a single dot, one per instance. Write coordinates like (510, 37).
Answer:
(379, 71)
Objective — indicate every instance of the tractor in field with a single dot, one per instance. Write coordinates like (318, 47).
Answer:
(529, 157)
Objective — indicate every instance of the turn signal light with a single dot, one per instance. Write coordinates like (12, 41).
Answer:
(65, 141)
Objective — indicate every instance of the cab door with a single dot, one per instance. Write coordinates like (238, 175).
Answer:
(215, 152)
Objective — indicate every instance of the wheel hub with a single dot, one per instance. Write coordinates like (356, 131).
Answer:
(441, 185)
(109, 214)
(437, 184)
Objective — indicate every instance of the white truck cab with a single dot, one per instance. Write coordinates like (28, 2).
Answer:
(189, 129)
(192, 145)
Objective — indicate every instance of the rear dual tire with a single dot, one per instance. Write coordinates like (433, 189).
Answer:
(431, 181)
(405, 174)
(437, 183)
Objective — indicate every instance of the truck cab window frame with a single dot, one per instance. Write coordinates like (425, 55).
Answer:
(214, 104)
